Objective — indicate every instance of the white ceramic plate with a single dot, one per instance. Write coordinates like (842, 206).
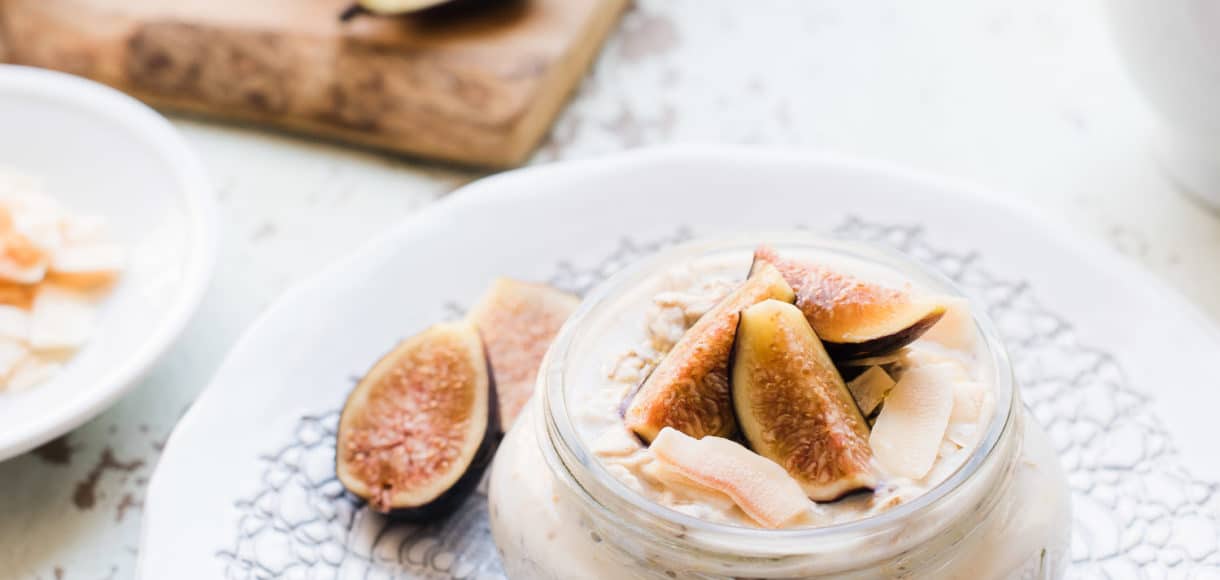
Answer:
(101, 152)
(1116, 366)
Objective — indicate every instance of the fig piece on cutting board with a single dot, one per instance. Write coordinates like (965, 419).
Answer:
(762, 489)
(518, 320)
(792, 405)
(419, 429)
(854, 318)
(689, 389)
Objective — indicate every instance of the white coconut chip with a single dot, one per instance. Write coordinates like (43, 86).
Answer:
(12, 353)
(963, 434)
(60, 319)
(11, 271)
(40, 228)
(83, 229)
(923, 353)
(956, 329)
(88, 259)
(14, 184)
(908, 433)
(32, 372)
(870, 388)
(616, 441)
(968, 398)
(14, 323)
(949, 462)
(686, 488)
(36, 228)
(759, 486)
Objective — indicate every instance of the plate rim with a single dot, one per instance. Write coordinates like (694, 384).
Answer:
(203, 242)
(507, 187)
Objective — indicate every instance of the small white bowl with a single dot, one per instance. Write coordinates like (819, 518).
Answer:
(101, 152)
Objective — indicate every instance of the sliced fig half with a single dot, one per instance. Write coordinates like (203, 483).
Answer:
(518, 320)
(418, 430)
(689, 389)
(792, 405)
(854, 318)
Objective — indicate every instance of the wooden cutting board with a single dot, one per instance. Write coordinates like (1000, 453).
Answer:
(475, 82)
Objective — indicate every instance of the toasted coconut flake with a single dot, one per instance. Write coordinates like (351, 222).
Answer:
(912, 423)
(12, 353)
(40, 226)
(759, 486)
(31, 372)
(19, 296)
(963, 434)
(870, 388)
(82, 230)
(616, 441)
(673, 480)
(61, 319)
(88, 259)
(21, 260)
(968, 399)
(45, 256)
(952, 457)
(956, 328)
(14, 323)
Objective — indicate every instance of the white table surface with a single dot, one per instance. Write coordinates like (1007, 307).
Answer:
(1024, 97)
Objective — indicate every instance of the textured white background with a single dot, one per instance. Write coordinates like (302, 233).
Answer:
(1026, 97)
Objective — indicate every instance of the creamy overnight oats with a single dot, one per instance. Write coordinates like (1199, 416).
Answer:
(801, 409)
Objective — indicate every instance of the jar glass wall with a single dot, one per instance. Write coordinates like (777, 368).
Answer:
(557, 513)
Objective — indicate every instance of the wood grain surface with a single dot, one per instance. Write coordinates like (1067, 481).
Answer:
(475, 82)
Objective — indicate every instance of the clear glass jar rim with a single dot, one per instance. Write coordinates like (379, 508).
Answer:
(563, 433)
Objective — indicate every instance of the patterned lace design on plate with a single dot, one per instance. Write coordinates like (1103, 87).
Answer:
(303, 525)
(1138, 512)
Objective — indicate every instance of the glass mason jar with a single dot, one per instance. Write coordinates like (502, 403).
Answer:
(557, 513)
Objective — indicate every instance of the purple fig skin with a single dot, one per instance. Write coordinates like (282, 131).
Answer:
(623, 406)
(844, 351)
(841, 351)
(626, 403)
(452, 498)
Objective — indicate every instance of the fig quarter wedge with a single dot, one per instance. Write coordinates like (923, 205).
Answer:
(854, 318)
(418, 430)
(518, 321)
(689, 389)
(792, 405)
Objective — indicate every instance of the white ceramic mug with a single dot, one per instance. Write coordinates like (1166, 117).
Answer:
(1172, 49)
